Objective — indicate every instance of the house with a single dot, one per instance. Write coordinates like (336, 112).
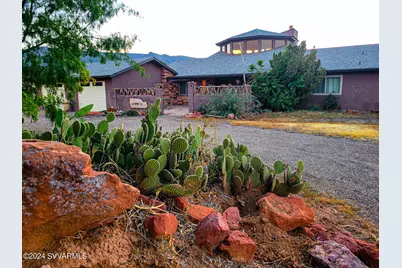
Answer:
(114, 86)
(352, 71)
(352, 74)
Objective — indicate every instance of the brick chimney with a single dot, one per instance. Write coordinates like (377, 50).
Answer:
(291, 32)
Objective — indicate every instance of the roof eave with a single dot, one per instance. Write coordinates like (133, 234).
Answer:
(257, 37)
(353, 70)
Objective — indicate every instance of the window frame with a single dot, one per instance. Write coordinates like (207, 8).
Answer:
(325, 86)
(94, 84)
(185, 87)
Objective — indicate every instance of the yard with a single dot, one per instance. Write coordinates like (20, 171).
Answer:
(344, 168)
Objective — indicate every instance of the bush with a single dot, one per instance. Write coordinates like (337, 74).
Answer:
(314, 107)
(331, 102)
(229, 101)
(293, 76)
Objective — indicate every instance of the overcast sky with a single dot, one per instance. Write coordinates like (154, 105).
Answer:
(191, 28)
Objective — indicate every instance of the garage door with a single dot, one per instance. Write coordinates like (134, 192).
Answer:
(94, 93)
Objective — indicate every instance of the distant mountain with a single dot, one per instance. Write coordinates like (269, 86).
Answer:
(167, 59)
(164, 57)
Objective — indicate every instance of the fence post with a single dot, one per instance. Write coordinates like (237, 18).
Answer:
(190, 94)
(159, 94)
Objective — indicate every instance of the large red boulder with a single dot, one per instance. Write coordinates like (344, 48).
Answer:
(211, 231)
(287, 213)
(239, 246)
(161, 226)
(232, 216)
(334, 255)
(61, 194)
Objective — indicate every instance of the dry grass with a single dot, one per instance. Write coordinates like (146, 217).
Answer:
(333, 129)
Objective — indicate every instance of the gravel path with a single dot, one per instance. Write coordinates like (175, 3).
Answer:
(341, 167)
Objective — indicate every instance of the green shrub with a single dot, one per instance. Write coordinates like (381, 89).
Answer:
(331, 102)
(229, 101)
(314, 107)
(293, 76)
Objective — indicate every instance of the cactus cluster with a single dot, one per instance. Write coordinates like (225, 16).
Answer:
(166, 161)
(291, 180)
(240, 169)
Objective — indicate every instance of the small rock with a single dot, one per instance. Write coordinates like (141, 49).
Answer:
(232, 217)
(264, 220)
(211, 231)
(242, 203)
(181, 203)
(287, 213)
(333, 255)
(316, 230)
(161, 226)
(196, 213)
(239, 246)
(231, 116)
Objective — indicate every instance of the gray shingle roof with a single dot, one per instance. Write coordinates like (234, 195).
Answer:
(350, 58)
(256, 33)
(109, 69)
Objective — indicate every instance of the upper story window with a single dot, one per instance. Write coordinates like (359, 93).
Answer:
(252, 46)
(237, 47)
(279, 43)
(228, 49)
(330, 85)
(266, 45)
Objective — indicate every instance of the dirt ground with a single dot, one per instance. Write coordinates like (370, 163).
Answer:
(125, 243)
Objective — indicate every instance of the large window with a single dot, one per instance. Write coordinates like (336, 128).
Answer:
(330, 85)
(252, 46)
(228, 50)
(266, 45)
(237, 48)
(183, 88)
(279, 43)
(223, 48)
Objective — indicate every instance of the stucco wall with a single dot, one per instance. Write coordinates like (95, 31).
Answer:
(360, 91)
(132, 79)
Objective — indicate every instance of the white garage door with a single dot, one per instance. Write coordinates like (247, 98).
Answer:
(94, 93)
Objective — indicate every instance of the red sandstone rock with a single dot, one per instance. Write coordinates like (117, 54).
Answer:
(287, 213)
(211, 231)
(231, 116)
(316, 231)
(161, 225)
(333, 255)
(61, 194)
(239, 246)
(181, 203)
(151, 202)
(195, 213)
(367, 252)
(232, 217)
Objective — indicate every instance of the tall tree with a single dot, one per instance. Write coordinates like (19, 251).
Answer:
(293, 76)
(56, 37)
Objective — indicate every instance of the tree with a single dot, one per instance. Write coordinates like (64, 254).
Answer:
(56, 37)
(293, 76)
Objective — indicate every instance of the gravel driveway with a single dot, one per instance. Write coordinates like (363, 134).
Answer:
(341, 167)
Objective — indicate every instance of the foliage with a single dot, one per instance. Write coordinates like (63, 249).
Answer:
(241, 170)
(293, 76)
(314, 107)
(160, 163)
(331, 102)
(57, 36)
(230, 101)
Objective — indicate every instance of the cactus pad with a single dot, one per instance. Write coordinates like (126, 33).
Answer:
(162, 162)
(254, 179)
(165, 145)
(199, 171)
(237, 183)
(26, 135)
(149, 184)
(192, 182)
(278, 166)
(179, 145)
(103, 127)
(229, 163)
(140, 174)
(297, 188)
(110, 117)
(148, 154)
(151, 167)
(166, 176)
(47, 136)
(175, 190)
(282, 189)
(118, 139)
(256, 163)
